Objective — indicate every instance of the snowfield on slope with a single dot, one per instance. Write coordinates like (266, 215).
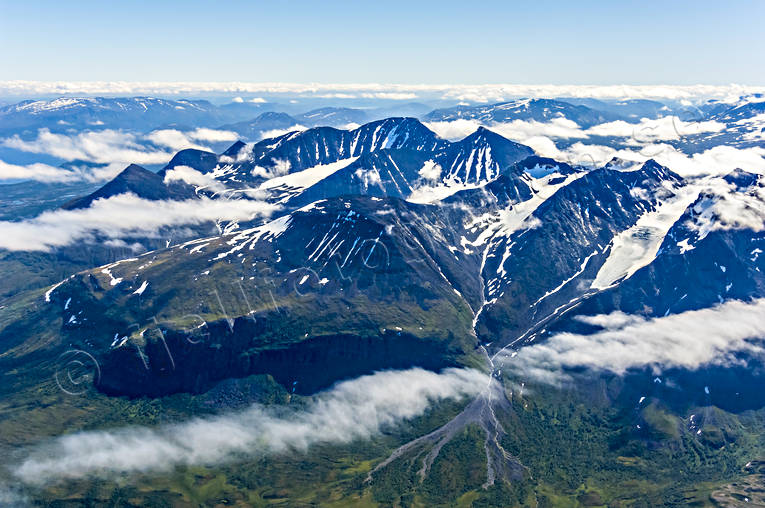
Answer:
(636, 247)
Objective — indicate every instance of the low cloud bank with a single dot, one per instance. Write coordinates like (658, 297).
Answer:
(718, 160)
(389, 91)
(517, 130)
(123, 216)
(688, 340)
(356, 409)
(647, 130)
(646, 137)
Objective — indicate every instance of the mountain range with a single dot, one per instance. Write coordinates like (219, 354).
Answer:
(511, 241)
(389, 247)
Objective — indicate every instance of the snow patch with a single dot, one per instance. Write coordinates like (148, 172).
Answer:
(141, 289)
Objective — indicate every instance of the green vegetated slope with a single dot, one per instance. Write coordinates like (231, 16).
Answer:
(577, 448)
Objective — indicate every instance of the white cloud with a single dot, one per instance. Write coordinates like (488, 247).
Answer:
(254, 100)
(396, 96)
(351, 410)
(178, 140)
(646, 136)
(243, 155)
(430, 171)
(691, 93)
(651, 130)
(275, 133)
(279, 167)
(122, 216)
(333, 96)
(122, 244)
(368, 177)
(193, 177)
(718, 160)
(454, 130)
(350, 126)
(559, 127)
(588, 155)
(645, 131)
(427, 192)
(45, 173)
(212, 135)
(103, 146)
(517, 130)
(173, 139)
(723, 159)
(471, 93)
(722, 207)
(112, 147)
(688, 340)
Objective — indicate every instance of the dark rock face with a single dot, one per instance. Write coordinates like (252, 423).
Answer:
(741, 179)
(202, 161)
(387, 172)
(324, 145)
(334, 292)
(481, 157)
(723, 265)
(177, 364)
(574, 228)
(537, 166)
(139, 181)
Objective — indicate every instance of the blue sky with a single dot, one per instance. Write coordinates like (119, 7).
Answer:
(392, 41)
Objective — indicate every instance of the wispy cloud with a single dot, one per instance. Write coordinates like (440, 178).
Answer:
(396, 96)
(717, 160)
(517, 130)
(103, 146)
(646, 139)
(351, 410)
(122, 216)
(649, 130)
(178, 140)
(275, 133)
(254, 100)
(646, 130)
(278, 168)
(193, 177)
(687, 340)
(117, 146)
(45, 173)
